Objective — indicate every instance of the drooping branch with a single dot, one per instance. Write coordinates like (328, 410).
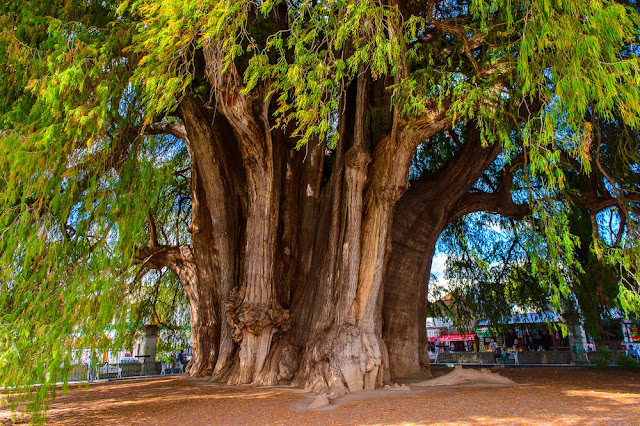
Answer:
(595, 196)
(459, 32)
(498, 202)
(458, 175)
(433, 121)
(596, 201)
(176, 129)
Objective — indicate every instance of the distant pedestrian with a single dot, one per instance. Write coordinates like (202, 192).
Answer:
(172, 359)
(632, 352)
(494, 350)
(516, 347)
(505, 354)
(90, 372)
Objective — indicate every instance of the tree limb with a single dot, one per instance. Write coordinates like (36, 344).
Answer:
(499, 203)
(176, 129)
(153, 233)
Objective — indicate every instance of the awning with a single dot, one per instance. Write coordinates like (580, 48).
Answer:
(484, 332)
(529, 318)
(456, 337)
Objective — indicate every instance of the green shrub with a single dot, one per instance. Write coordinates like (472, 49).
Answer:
(628, 363)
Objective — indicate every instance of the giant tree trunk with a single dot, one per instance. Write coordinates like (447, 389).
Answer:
(421, 216)
(215, 214)
(290, 247)
(290, 251)
(405, 297)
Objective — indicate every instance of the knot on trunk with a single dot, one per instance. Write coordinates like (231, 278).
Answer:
(357, 157)
(389, 194)
(344, 359)
(253, 318)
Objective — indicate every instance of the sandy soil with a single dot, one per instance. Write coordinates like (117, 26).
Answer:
(544, 395)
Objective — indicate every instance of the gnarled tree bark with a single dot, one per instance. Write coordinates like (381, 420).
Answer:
(290, 248)
(421, 215)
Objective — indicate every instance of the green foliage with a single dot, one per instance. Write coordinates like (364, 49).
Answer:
(488, 270)
(492, 271)
(73, 168)
(556, 259)
(628, 363)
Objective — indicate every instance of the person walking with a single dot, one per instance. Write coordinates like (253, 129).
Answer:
(180, 362)
(516, 347)
(632, 352)
(90, 372)
(172, 360)
(505, 354)
(494, 349)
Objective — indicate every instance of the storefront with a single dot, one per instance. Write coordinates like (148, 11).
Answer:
(620, 332)
(455, 342)
(532, 331)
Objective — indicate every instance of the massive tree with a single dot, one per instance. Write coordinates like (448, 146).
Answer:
(261, 152)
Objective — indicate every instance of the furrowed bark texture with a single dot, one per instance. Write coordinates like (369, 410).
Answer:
(291, 276)
(421, 215)
(215, 213)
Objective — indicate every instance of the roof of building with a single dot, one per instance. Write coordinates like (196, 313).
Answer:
(529, 318)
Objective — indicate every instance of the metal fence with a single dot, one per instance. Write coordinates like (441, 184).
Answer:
(609, 357)
(106, 371)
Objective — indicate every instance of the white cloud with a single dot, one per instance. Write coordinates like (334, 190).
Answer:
(438, 264)
(497, 228)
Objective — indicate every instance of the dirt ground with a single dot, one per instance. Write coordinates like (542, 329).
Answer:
(544, 395)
